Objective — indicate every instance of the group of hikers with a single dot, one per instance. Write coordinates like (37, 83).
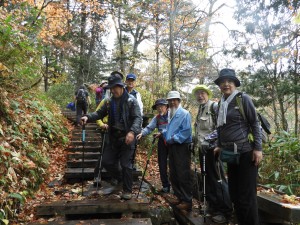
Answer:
(221, 134)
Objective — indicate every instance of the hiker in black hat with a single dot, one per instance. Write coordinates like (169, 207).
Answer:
(160, 121)
(124, 123)
(240, 145)
(216, 185)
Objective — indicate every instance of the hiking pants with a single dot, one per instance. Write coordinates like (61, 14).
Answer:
(118, 153)
(242, 188)
(217, 193)
(180, 171)
(80, 108)
(162, 152)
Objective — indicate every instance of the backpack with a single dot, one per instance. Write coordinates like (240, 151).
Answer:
(264, 123)
(99, 93)
(81, 96)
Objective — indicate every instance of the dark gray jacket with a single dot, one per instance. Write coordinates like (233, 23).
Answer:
(236, 128)
(131, 114)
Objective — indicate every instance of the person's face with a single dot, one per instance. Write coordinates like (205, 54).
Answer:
(117, 91)
(173, 103)
(201, 96)
(130, 83)
(227, 87)
(161, 109)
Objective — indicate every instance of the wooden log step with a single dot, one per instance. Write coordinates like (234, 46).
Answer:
(91, 134)
(125, 221)
(92, 206)
(88, 173)
(87, 138)
(87, 143)
(85, 149)
(271, 204)
(87, 155)
(87, 129)
(94, 132)
(78, 163)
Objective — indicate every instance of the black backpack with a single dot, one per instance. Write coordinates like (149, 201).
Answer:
(81, 96)
(264, 123)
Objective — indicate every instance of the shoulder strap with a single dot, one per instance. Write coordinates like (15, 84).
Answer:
(239, 102)
(213, 113)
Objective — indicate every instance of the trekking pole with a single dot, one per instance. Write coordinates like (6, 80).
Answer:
(204, 147)
(148, 160)
(196, 177)
(82, 164)
(101, 157)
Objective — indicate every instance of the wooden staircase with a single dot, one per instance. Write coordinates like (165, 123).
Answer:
(92, 207)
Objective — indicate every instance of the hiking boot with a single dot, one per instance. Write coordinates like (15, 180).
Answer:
(186, 206)
(165, 190)
(126, 196)
(219, 219)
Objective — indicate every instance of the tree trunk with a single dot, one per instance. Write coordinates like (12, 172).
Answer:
(81, 72)
(46, 80)
(156, 45)
(120, 39)
(172, 55)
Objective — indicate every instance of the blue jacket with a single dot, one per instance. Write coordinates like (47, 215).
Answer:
(179, 129)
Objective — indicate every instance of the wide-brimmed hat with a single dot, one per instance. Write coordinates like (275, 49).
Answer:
(173, 94)
(118, 74)
(113, 80)
(131, 76)
(160, 101)
(227, 74)
(204, 88)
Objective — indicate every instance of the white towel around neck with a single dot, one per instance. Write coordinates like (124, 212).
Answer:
(223, 108)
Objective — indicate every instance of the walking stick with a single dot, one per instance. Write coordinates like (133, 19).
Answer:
(83, 149)
(101, 157)
(196, 177)
(204, 147)
(148, 160)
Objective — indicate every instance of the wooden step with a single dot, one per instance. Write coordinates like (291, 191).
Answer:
(87, 143)
(88, 173)
(87, 155)
(78, 163)
(85, 149)
(76, 133)
(79, 135)
(87, 138)
(123, 221)
(92, 206)
(271, 203)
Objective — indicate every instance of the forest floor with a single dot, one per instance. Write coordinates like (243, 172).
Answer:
(48, 191)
